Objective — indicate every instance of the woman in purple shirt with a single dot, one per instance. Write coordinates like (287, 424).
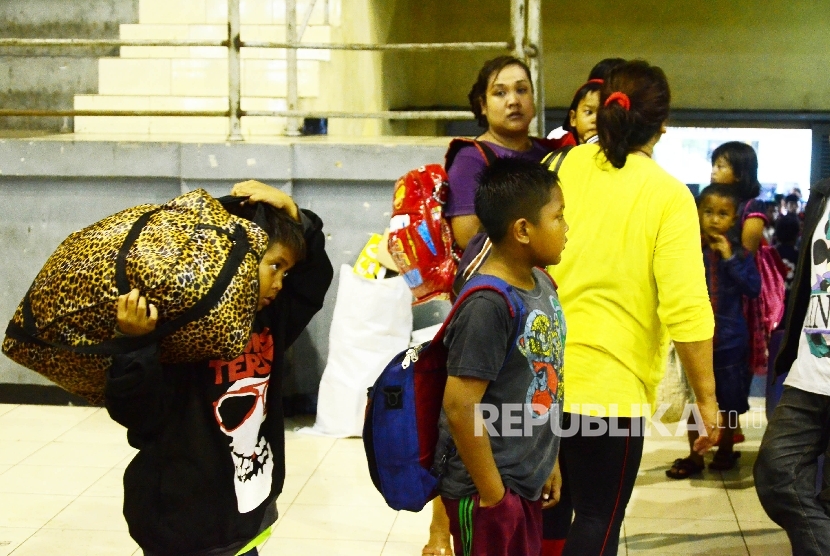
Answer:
(502, 101)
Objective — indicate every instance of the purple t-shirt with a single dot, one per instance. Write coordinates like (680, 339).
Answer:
(466, 167)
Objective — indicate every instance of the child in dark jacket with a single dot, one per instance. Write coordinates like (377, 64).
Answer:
(211, 460)
(731, 274)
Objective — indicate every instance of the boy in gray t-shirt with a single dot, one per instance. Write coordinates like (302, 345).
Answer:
(502, 401)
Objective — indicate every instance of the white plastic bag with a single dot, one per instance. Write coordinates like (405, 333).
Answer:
(372, 322)
(674, 389)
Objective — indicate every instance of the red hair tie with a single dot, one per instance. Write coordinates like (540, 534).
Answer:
(600, 81)
(621, 98)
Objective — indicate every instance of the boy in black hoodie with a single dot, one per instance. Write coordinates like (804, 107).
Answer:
(211, 459)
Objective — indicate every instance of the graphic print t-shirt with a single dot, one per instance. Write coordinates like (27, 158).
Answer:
(811, 370)
(240, 402)
(523, 399)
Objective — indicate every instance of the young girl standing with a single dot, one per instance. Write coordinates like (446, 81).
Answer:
(735, 163)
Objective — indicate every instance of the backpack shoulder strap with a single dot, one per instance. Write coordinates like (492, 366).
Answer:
(554, 160)
(479, 259)
(549, 277)
(555, 144)
(481, 282)
(486, 152)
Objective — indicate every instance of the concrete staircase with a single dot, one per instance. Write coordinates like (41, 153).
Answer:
(48, 78)
(196, 78)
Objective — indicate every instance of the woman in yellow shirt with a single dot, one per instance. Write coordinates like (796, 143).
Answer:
(632, 278)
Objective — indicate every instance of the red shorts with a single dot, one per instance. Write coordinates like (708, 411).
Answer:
(513, 527)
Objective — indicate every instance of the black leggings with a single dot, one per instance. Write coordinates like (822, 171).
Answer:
(598, 474)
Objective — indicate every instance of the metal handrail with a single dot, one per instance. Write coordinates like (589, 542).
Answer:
(33, 113)
(110, 42)
(384, 115)
(522, 12)
(497, 45)
(394, 46)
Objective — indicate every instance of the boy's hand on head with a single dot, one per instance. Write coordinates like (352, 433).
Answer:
(258, 192)
(719, 243)
(553, 488)
(135, 316)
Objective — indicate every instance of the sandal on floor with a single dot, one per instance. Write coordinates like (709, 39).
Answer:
(724, 462)
(683, 468)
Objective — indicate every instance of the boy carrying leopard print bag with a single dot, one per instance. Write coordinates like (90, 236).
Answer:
(210, 434)
(195, 262)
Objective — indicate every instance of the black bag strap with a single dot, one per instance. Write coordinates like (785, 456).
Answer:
(121, 281)
(485, 150)
(554, 160)
(241, 246)
(490, 155)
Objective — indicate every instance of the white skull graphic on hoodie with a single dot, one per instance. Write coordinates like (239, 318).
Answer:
(252, 456)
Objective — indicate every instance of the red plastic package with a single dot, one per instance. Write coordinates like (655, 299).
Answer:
(420, 239)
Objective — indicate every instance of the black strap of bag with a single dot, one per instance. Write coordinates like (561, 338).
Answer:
(241, 246)
(554, 160)
(485, 150)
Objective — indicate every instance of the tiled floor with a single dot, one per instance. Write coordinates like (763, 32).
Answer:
(60, 494)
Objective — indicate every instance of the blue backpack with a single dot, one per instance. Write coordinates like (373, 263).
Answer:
(400, 433)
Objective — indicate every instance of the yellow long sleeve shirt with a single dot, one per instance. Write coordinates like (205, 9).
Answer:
(631, 277)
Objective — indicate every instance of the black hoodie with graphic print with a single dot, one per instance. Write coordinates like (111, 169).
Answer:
(211, 458)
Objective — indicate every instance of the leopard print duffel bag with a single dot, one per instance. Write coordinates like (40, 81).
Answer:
(198, 264)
